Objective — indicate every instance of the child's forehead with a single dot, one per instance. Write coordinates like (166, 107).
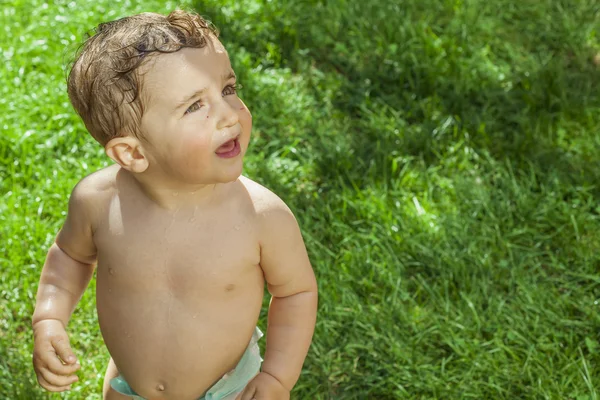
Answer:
(168, 73)
(210, 57)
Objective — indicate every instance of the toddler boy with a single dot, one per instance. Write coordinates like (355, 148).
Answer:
(182, 243)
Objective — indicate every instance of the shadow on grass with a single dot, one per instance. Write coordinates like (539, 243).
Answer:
(397, 104)
(515, 80)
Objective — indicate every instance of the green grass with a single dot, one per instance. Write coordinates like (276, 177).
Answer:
(442, 158)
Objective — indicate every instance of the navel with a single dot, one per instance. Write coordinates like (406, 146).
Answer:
(229, 287)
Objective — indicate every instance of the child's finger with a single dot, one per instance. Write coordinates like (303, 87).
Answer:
(248, 393)
(56, 383)
(63, 350)
(55, 365)
(51, 388)
(57, 380)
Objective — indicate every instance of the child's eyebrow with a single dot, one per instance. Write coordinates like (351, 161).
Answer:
(229, 75)
(189, 98)
(199, 92)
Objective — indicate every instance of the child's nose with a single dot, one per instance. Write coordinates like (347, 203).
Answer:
(228, 115)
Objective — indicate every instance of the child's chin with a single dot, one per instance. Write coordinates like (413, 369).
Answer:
(231, 174)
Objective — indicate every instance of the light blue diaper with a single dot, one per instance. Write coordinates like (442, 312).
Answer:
(231, 383)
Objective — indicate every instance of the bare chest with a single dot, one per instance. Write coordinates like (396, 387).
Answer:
(180, 252)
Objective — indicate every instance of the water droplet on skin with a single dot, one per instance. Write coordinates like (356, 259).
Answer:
(160, 387)
(194, 214)
(237, 227)
(109, 290)
(111, 271)
(175, 194)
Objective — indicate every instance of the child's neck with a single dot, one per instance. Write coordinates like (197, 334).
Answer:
(173, 196)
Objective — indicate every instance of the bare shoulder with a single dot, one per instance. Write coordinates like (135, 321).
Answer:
(98, 184)
(95, 191)
(263, 199)
(89, 198)
(284, 259)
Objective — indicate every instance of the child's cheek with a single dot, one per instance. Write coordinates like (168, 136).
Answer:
(195, 147)
(245, 118)
(244, 109)
(200, 143)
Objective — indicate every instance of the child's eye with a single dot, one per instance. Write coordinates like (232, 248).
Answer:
(231, 89)
(194, 107)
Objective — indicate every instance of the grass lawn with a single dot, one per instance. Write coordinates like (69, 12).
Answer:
(442, 158)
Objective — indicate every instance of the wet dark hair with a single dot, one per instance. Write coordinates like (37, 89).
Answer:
(104, 83)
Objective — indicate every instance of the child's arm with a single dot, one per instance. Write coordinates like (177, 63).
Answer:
(66, 273)
(293, 309)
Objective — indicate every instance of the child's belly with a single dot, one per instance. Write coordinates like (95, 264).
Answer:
(173, 336)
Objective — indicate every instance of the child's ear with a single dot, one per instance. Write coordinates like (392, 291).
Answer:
(128, 153)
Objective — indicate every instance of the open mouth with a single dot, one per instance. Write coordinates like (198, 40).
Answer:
(229, 149)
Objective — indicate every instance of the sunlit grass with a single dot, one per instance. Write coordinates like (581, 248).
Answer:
(442, 158)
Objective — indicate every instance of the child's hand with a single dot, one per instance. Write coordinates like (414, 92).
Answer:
(264, 387)
(51, 342)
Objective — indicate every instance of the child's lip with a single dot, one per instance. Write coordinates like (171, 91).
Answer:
(227, 151)
(226, 142)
